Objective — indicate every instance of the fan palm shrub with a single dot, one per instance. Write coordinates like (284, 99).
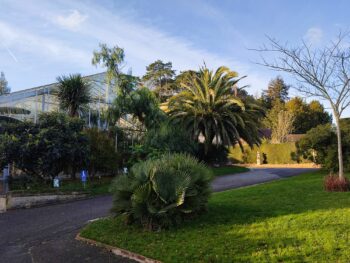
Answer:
(163, 192)
(73, 94)
(209, 106)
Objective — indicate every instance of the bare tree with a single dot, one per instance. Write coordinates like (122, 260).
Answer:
(323, 73)
(282, 126)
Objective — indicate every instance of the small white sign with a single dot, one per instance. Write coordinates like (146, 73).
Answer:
(56, 182)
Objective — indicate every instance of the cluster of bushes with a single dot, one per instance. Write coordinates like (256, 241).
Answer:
(333, 183)
(282, 153)
(319, 145)
(56, 144)
(161, 140)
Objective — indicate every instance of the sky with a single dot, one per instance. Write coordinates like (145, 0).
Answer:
(41, 40)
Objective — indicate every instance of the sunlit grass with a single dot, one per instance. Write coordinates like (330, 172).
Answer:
(291, 220)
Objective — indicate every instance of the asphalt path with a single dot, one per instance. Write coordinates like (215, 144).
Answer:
(46, 234)
(255, 176)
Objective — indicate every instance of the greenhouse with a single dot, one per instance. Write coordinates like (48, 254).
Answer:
(27, 104)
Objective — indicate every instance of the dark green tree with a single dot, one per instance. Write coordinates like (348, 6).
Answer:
(73, 94)
(320, 145)
(141, 104)
(19, 144)
(65, 147)
(160, 78)
(307, 116)
(277, 90)
(207, 107)
(102, 157)
(56, 144)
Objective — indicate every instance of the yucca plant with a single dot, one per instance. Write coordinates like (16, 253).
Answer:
(162, 193)
(73, 94)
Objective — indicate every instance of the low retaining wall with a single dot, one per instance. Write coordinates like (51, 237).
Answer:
(24, 200)
(3, 202)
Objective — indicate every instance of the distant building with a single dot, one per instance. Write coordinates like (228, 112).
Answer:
(44, 99)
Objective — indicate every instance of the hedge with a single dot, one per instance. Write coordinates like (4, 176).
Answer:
(283, 153)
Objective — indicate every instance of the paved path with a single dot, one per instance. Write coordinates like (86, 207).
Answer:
(46, 234)
(255, 176)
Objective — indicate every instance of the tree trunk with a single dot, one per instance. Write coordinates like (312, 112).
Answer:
(73, 174)
(340, 150)
(116, 142)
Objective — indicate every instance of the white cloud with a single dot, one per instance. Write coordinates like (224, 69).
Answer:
(24, 42)
(144, 44)
(143, 41)
(72, 21)
(314, 35)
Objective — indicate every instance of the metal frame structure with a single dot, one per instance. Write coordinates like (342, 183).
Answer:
(44, 99)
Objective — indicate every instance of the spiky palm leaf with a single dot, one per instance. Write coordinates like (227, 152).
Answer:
(208, 106)
(161, 192)
(73, 94)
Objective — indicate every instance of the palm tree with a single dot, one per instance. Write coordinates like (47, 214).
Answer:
(208, 107)
(73, 94)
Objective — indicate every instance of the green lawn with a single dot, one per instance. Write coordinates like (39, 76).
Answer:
(93, 187)
(224, 170)
(291, 220)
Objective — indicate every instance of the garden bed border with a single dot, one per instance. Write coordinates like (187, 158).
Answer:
(118, 251)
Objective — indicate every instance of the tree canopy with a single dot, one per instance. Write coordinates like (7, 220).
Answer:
(277, 90)
(208, 107)
(45, 149)
(159, 77)
(307, 115)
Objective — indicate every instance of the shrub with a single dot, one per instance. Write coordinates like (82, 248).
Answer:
(320, 145)
(166, 138)
(333, 183)
(282, 153)
(103, 157)
(170, 138)
(163, 192)
(56, 144)
(217, 154)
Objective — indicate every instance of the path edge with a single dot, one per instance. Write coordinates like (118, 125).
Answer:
(118, 251)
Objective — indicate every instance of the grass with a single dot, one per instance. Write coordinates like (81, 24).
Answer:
(291, 220)
(93, 187)
(225, 170)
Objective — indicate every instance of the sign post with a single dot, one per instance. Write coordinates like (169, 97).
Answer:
(56, 182)
(83, 177)
(4, 179)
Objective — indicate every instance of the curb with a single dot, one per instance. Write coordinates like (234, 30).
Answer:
(59, 202)
(118, 251)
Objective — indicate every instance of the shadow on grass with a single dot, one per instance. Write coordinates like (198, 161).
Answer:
(291, 220)
(288, 196)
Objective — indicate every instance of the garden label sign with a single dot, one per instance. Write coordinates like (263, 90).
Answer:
(83, 177)
(56, 182)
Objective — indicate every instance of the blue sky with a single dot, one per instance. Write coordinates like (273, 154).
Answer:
(40, 40)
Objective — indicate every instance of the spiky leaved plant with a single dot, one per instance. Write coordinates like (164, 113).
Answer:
(162, 193)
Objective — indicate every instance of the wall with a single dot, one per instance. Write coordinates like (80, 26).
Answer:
(15, 201)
